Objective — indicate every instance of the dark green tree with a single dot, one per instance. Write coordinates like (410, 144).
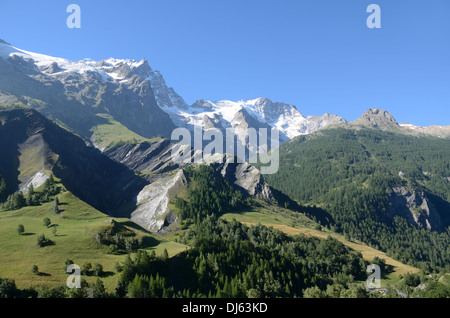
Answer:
(3, 190)
(86, 268)
(35, 269)
(41, 240)
(55, 206)
(20, 229)
(30, 195)
(8, 288)
(98, 289)
(52, 292)
(117, 268)
(67, 262)
(98, 269)
(165, 255)
(46, 222)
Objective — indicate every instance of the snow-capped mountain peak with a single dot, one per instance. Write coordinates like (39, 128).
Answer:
(110, 69)
(218, 114)
(264, 113)
(78, 93)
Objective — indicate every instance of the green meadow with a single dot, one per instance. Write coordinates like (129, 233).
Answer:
(76, 227)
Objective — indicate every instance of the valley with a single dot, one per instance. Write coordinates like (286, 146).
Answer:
(87, 176)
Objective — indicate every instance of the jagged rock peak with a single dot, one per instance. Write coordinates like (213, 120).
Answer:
(127, 68)
(166, 97)
(202, 103)
(377, 118)
(375, 114)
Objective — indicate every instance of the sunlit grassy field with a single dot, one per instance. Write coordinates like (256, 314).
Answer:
(113, 132)
(74, 239)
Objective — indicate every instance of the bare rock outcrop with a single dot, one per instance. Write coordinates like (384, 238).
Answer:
(415, 207)
(376, 118)
(153, 212)
(244, 177)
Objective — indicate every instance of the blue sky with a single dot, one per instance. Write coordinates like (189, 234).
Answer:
(318, 54)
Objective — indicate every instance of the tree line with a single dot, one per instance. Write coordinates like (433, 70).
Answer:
(32, 197)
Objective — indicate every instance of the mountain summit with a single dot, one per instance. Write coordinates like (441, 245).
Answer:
(377, 118)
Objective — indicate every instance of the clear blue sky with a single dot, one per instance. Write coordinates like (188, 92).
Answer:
(318, 54)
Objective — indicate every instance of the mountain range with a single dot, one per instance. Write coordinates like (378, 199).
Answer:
(103, 129)
(89, 96)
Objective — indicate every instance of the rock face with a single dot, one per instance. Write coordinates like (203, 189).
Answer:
(165, 96)
(152, 210)
(152, 158)
(166, 178)
(36, 180)
(416, 208)
(74, 93)
(245, 177)
(377, 118)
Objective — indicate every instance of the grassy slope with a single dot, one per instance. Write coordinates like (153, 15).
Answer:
(76, 228)
(113, 132)
(293, 223)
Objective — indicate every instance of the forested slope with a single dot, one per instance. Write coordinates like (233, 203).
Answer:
(389, 190)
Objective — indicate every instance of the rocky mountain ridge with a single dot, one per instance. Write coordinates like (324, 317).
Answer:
(78, 93)
(75, 93)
